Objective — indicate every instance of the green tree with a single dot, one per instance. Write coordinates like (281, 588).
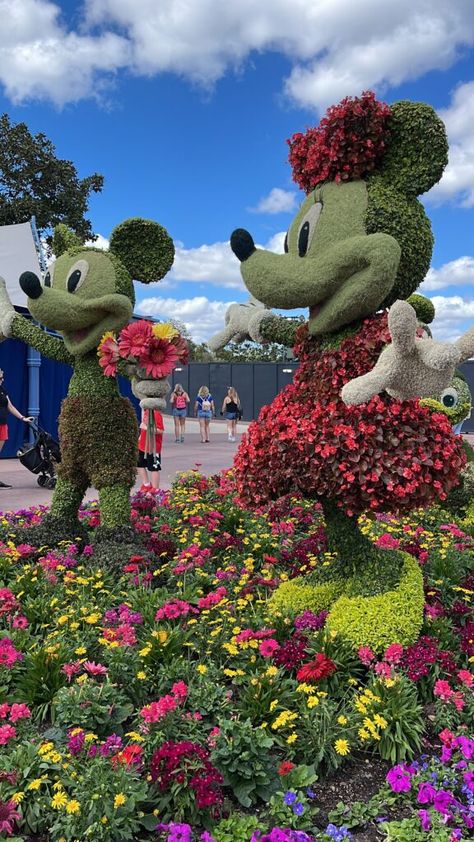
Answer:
(251, 352)
(34, 182)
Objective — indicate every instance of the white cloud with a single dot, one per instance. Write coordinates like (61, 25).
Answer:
(277, 201)
(202, 317)
(99, 243)
(334, 48)
(459, 272)
(454, 315)
(457, 183)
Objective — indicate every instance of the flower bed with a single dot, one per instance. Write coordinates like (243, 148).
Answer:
(163, 699)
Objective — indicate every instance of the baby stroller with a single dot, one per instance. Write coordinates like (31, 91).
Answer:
(41, 457)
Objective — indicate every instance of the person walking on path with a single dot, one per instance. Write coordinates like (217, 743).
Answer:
(179, 401)
(231, 411)
(6, 406)
(204, 409)
(149, 451)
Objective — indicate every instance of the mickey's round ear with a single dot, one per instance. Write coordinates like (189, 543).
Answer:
(64, 239)
(417, 149)
(423, 307)
(144, 247)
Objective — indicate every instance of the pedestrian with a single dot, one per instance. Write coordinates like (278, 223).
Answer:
(179, 401)
(6, 406)
(231, 410)
(204, 409)
(150, 442)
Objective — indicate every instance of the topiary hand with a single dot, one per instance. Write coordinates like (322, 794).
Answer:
(242, 322)
(7, 312)
(410, 367)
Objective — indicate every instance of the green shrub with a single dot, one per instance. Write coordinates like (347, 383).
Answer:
(377, 621)
(299, 595)
(242, 755)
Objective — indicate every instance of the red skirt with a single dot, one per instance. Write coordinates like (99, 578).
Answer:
(3, 432)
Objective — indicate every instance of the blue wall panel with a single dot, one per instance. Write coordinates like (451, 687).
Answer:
(13, 362)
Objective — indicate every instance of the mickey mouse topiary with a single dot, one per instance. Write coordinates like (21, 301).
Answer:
(86, 292)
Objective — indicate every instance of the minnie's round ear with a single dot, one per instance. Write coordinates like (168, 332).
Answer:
(417, 149)
(144, 247)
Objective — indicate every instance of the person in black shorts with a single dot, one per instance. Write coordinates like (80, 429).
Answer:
(231, 410)
(149, 461)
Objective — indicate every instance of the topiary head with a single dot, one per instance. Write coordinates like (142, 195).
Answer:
(361, 238)
(88, 291)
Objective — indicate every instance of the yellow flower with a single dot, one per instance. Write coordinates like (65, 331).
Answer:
(134, 735)
(292, 739)
(18, 797)
(342, 747)
(59, 800)
(164, 330)
(312, 701)
(273, 704)
(45, 748)
(119, 800)
(363, 734)
(141, 675)
(89, 738)
(342, 720)
(73, 807)
(380, 721)
(35, 784)
(202, 669)
(271, 671)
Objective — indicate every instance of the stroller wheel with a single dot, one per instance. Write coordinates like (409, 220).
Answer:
(50, 482)
(42, 480)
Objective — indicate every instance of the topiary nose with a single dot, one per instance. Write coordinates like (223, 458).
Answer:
(31, 284)
(242, 244)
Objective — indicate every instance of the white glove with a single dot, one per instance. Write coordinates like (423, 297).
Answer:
(242, 322)
(410, 367)
(7, 312)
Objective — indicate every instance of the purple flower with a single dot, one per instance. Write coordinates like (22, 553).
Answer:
(466, 745)
(399, 779)
(298, 809)
(425, 820)
(206, 837)
(426, 793)
(468, 778)
(442, 801)
(290, 798)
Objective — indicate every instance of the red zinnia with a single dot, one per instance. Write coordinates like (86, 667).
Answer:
(320, 667)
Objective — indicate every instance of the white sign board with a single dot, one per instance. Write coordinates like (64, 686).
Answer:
(17, 254)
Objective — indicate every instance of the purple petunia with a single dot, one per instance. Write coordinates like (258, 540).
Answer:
(399, 779)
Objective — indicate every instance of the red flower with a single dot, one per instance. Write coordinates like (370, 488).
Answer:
(285, 768)
(160, 358)
(135, 339)
(317, 669)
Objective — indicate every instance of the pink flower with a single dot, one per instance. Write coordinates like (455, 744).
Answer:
(135, 339)
(466, 677)
(366, 655)
(443, 690)
(20, 622)
(385, 670)
(399, 778)
(108, 355)
(393, 653)
(159, 359)
(180, 690)
(8, 654)
(387, 541)
(8, 816)
(4, 708)
(71, 669)
(7, 732)
(94, 669)
(19, 711)
(268, 648)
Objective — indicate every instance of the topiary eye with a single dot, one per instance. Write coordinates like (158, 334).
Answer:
(450, 398)
(285, 244)
(307, 228)
(77, 275)
(48, 280)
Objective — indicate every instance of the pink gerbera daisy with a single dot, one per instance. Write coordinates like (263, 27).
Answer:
(94, 669)
(135, 339)
(160, 358)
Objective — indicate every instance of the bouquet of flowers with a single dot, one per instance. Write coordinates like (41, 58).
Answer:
(151, 352)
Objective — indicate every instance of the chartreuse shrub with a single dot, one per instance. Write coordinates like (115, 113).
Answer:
(395, 616)
(299, 595)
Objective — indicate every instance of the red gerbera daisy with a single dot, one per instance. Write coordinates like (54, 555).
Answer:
(320, 667)
(135, 339)
(159, 359)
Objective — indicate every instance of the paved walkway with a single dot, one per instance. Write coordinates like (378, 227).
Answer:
(208, 458)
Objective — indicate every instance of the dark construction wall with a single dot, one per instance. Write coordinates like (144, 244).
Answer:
(256, 383)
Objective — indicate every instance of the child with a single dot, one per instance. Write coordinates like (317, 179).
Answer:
(149, 462)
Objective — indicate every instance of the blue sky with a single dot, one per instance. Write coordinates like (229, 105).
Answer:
(185, 107)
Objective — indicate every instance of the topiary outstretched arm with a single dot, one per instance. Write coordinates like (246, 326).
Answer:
(242, 322)
(14, 325)
(410, 367)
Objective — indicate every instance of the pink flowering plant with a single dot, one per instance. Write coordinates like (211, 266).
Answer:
(155, 348)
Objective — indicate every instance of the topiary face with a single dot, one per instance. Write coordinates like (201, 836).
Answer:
(455, 401)
(361, 240)
(87, 291)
